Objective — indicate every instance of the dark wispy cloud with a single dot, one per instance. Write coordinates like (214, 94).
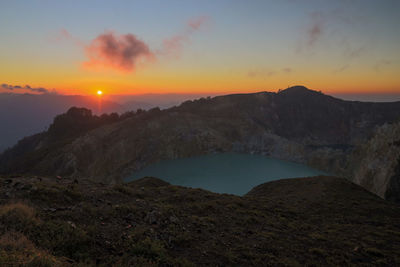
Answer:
(352, 50)
(64, 35)
(117, 52)
(328, 24)
(311, 33)
(260, 73)
(342, 68)
(287, 70)
(268, 73)
(174, 45)
(315, 29)
(39, 90)
(381, 64)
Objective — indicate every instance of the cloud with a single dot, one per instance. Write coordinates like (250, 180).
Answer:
(174, 45)
(260, 73)
(315, 29)
(352, 50)
(355, 52)
(381, 64)
(40, 90)
(324, 29)
(116, 52)
(312, 32)
(195, 24)
(126, 52)
(287, 70)
(265, 74)
(63, 35)
(342, 68)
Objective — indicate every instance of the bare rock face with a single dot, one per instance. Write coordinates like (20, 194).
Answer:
(393, 190)
(375, 164)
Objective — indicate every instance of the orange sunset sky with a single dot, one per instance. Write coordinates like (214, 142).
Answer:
(137, 47)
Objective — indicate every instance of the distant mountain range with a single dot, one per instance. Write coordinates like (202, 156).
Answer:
(295, 124)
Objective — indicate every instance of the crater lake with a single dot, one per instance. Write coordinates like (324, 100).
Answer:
(231, 173)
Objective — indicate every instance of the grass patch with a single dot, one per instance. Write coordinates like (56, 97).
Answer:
(19, 208)
(17, 250)
(18, 216)
(150, 249)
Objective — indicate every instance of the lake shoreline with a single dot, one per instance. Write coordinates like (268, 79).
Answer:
(232, 173)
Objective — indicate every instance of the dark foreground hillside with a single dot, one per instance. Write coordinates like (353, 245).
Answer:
(307, 221)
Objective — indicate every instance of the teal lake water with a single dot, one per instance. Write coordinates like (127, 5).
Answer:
(224, 173)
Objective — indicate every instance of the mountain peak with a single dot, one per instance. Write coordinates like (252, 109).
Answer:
(298, 89)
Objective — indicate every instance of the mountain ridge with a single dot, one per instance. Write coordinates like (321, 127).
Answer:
(314, 129)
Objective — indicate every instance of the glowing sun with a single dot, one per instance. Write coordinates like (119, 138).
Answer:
(99, 92)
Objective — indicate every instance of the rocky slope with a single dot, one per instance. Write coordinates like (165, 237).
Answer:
(375, 165)
(296, 124)
(319, 221)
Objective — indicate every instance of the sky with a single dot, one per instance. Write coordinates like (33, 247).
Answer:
(208, 46)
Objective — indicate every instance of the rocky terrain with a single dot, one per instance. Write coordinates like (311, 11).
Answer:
(375, 165)
(319, 221)
(295, 124)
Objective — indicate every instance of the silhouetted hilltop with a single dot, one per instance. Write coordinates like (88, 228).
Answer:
(64, 129)
(25, 114)
(77, 121)
(299, 90)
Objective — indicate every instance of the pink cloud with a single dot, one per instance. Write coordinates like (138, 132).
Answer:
(64, 35)
(174, 45)
(197, 23)
(314, 33)
(126, 52)
(116, 52)
(316, 28)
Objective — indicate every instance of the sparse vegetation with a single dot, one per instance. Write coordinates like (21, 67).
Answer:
(16, 250)
(310, 221)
